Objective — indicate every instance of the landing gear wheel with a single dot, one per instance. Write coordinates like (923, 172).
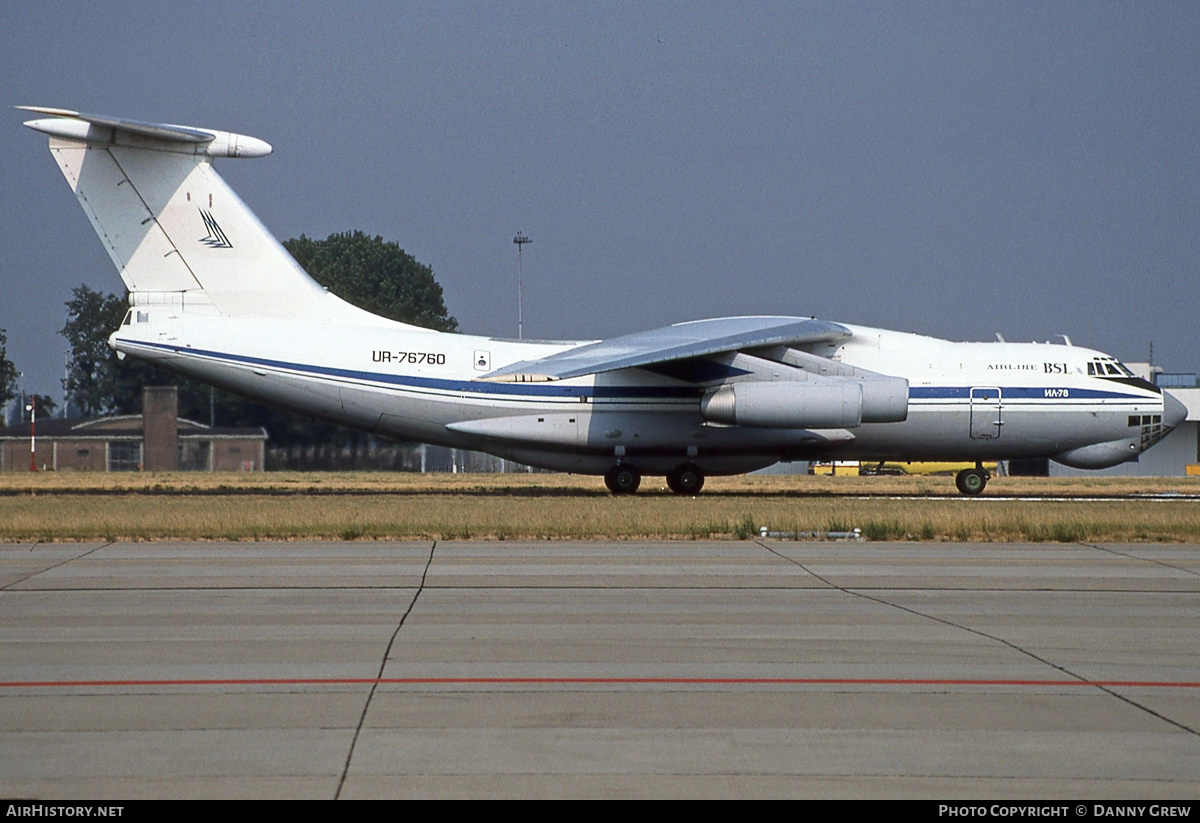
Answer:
(686, 479)
(623, 479)
(971, 481)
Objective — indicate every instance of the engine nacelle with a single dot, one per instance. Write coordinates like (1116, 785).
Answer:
(827, 404)
(819, 403)
(885, 400)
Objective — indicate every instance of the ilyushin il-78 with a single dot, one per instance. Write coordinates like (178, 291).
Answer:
(214, 296)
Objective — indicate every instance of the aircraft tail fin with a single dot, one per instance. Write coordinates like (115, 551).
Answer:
(174, 229)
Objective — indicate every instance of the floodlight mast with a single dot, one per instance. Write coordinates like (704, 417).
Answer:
(32, 409)
(520, 240)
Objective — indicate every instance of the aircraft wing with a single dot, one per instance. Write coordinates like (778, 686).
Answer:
(681, 341)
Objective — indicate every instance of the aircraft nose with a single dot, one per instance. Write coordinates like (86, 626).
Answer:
(1174, 412)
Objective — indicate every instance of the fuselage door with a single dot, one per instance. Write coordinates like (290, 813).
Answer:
(985, 413)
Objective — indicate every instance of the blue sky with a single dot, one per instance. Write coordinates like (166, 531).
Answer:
(951, 169)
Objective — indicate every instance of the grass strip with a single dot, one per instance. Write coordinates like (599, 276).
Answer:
(581, 515)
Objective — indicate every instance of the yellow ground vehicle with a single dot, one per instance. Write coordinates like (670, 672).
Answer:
(834, 467)
(920, 468)
(895, 468)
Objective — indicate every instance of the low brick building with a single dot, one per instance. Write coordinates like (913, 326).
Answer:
(157, 441)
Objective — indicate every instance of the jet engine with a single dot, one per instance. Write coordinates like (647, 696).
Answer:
(808, 404)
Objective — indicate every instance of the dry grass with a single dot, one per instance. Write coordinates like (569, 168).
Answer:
(77, 506)
(22, 482)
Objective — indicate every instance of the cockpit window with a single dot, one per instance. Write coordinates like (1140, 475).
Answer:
(1107, 366)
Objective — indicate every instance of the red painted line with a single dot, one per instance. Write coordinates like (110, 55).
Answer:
(595, 681)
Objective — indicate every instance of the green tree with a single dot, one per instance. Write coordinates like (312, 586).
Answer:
(94, 383)
(45, 404)
(8, 372)
(97, 381)
(375, 275)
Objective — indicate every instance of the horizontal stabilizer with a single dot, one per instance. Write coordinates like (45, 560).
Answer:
(98, 128)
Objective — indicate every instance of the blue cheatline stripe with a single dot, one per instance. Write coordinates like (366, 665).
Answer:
(548, 390)
(554, 390)
(1018, 392)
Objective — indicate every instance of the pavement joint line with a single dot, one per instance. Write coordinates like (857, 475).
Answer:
(981, 633)
(1126, 698)
(387, 653)
(32, 575)
(1110, 550)
(602, 681)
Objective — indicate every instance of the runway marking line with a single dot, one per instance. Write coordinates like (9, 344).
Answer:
(597, 681)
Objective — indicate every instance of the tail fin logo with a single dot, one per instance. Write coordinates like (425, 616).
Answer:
(216, 238)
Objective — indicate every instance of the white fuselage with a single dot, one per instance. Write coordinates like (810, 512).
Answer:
(967, 401)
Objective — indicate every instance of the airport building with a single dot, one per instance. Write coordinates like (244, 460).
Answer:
(156, 440)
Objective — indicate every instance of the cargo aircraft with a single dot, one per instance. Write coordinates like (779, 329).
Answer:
(214, 296)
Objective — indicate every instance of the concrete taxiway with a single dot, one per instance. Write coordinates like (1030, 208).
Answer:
(752, 668)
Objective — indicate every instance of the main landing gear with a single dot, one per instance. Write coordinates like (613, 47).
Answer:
(685, 479)
(623, 478)
(972, 481)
